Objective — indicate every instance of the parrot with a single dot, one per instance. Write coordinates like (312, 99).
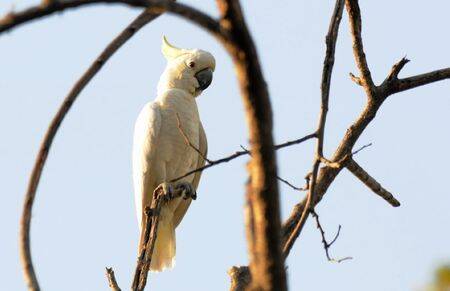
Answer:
(160, 152)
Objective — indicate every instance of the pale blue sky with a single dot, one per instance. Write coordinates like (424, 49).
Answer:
(84, 215)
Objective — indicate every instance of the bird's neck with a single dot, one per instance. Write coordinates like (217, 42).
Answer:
(175, 98)
(171, 79)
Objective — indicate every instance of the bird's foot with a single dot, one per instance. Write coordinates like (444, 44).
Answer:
(187, 190)
(167, 191)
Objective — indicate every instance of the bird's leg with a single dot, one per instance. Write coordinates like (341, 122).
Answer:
(188, 191)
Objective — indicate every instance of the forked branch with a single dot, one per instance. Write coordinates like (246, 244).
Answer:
(331, 39)
(112, 282)
(376, 96)
(326, 244)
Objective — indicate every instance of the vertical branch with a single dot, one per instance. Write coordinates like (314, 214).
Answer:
(25, 222)
(151, 223)
(151, 231)
(325, 88)
(358, 49)
(262, 209)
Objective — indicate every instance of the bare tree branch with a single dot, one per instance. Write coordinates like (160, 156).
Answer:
(112, 282)
(266, 265)
(395, 70)
(328, 174)
(152, 215)
(327, 245)
(12, 20)
(262, 207)
(356, 79)
(190, 144)
(325, 88)
(284, 181)
(392, 84)
(24, 239)
(289, 184)
(156, 8)
(242, 153)
(370, 182)
(358, 50)
(240, 278)
(420, 80)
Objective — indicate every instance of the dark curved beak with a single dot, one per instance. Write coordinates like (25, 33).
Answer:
(204, 78)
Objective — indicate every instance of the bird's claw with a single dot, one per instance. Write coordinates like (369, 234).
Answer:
(188, 191)
(168, 191)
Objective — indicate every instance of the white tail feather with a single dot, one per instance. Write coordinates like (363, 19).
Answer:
(164, 252)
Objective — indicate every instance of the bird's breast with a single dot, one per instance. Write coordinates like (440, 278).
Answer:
(180, 133)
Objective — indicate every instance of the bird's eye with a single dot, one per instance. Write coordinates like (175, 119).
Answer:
(191, 64)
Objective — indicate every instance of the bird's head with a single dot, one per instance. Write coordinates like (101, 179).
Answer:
(190, 70)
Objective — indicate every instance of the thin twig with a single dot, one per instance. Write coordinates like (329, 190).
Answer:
(355, 152)
(289, 184)
(243, 153)
(327, 245)
(284, 181)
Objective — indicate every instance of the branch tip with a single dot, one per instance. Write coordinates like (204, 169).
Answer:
(396, 68)
(112, 282)
(370, 182)
(355, 79)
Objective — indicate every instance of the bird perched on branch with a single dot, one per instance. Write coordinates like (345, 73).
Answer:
(161, 152)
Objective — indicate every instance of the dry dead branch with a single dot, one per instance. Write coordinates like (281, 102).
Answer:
(267, 248)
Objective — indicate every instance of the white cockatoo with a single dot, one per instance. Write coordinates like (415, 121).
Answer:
(160, 151)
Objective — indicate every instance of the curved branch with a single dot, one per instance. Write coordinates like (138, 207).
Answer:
(155, 9)
(24, 239)
(253, 89)
(263, 224)
(14, 19)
